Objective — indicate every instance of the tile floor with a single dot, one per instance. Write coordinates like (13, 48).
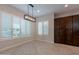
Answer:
(42, 48)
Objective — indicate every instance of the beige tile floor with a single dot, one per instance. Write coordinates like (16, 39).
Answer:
(42, 48)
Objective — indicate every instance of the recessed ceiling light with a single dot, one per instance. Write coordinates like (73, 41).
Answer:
(38, 11)
(66, 5)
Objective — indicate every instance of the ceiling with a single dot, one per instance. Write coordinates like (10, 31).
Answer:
(46, 8)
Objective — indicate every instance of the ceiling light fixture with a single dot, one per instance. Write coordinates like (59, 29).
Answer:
(29, 17)
(66, 5)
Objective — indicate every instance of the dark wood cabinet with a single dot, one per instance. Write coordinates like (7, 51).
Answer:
(62, 30)
(57, 31)
(67, 30)
(76, 30)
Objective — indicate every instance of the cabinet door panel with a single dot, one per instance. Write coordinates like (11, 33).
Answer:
(68, 28)
(56, 31)
(76, 30)
(63, 30)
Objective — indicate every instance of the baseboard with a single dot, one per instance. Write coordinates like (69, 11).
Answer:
(47, 41)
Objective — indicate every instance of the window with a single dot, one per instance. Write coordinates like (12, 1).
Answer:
(6, 25)
(28, 27)
(13, 26)
(43, 28)
(40, 28)
(23, 30)
(16, 26)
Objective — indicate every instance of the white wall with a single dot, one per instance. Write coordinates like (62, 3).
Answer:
(50, 36)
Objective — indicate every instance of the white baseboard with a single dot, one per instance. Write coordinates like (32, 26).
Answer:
(46, 41)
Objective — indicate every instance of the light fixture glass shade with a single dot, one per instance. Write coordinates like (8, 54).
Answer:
(30, 18)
